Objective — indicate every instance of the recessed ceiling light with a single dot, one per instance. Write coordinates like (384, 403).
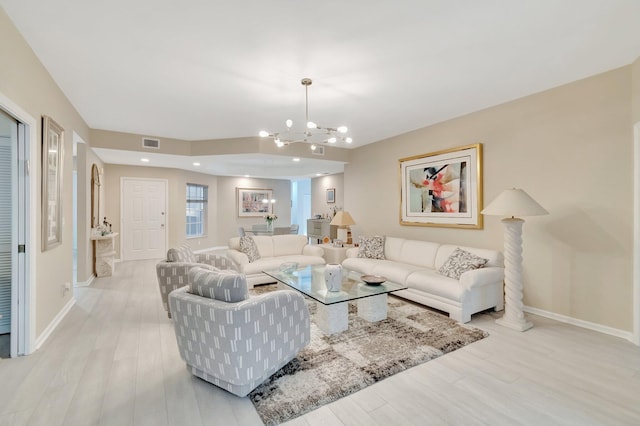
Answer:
(247, 175)
(296, 159)
(196, 164)
(144, 160)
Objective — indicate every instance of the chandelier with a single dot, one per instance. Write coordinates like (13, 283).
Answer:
(313, 134)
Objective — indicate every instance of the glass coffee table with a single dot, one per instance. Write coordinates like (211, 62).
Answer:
(333, 308)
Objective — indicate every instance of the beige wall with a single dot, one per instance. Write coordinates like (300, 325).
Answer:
(570, 148)
(635, 91)
(223, 220)
(28, 85)
(319, 188)
(228, 205)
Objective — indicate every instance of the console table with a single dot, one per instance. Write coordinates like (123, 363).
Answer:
(104, 253)
(319, 228)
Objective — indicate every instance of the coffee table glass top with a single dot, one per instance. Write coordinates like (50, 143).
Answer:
(310, 281)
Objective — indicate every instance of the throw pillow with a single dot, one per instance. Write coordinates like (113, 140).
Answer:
(371, 247)
(249, 247)
(181, 254)
(225, 285)
(459, 262)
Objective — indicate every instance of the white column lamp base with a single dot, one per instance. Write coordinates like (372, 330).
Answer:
(513, 307)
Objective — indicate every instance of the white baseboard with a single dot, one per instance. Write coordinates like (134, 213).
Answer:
(86, 283)
(627, 335)
(53, 324)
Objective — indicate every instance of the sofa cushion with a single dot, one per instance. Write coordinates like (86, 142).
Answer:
(371, 247)
(459, 262)
(394, 271)
(431, 282)
(225, 285)
(274, 263)
(419, 253)
(286, 245)
(360, 264)
(248, 246)
(181, 254)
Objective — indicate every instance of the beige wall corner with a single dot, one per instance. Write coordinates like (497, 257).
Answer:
(571, 149)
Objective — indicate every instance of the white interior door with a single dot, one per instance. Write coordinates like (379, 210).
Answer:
(144, 218)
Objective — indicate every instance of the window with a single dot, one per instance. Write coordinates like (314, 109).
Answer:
(197, 197)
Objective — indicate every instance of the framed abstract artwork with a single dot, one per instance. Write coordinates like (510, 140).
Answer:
(52, 155)
(442, 188)
(254, 202)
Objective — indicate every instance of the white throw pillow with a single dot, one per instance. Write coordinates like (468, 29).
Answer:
(459, 262)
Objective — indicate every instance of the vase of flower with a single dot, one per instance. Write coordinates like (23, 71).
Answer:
(270, 218)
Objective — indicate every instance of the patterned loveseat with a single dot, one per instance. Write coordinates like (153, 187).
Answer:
(172, 272)
(231, 339)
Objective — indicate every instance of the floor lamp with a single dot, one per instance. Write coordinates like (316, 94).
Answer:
(513, 203)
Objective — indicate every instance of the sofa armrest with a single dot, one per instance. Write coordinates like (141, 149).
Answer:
(353, 252)
(481, 277)
(310, 250)
(238, 257)
(218, 260)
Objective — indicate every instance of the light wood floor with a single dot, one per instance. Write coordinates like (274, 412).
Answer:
(114, 361)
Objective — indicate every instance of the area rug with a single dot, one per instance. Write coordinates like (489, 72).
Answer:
(332, 367)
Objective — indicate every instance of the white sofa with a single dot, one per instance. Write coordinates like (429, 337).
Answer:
(416, 264)
(274, 251)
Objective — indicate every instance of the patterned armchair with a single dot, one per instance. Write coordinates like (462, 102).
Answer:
(232, 340)
(172, 273)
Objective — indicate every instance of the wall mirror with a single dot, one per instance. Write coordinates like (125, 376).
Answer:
(95, 196)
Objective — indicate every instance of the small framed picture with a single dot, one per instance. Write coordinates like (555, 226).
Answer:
(331, 195)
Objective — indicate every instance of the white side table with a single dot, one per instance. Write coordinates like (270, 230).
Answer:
(335, 254)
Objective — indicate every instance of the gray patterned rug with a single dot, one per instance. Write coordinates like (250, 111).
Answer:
(332, 367)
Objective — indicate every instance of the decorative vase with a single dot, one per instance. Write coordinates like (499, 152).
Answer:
(270, 225)
(333, 276)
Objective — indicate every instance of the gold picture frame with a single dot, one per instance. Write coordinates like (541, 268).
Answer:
(443, 188)
(52, 161)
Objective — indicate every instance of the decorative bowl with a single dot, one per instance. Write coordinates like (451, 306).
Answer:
(373, 279)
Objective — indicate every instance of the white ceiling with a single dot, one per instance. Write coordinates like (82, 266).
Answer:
(206, 69)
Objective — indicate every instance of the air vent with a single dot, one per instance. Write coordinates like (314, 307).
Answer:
(318, 151)
(151, 143)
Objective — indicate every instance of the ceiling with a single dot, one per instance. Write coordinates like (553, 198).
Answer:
(206, 69)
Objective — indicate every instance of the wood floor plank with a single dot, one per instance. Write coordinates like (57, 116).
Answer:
(114, 360)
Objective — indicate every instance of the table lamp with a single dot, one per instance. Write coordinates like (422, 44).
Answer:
(342, 220)
(513, 203)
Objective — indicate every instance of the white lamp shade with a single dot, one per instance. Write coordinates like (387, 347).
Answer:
(514, 203)
(342, 218)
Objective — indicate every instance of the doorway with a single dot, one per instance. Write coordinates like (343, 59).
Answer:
(144, 217)
(301, 203)
(13, 210)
